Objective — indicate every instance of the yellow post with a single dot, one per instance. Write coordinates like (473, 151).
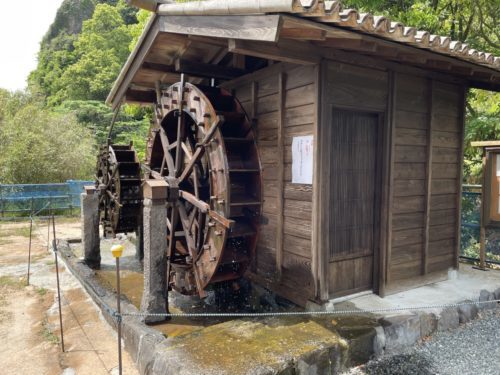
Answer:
(117, 251)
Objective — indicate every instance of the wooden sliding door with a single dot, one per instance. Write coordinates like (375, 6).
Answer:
(354, 200)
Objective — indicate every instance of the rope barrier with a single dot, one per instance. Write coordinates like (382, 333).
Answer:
(304, 313)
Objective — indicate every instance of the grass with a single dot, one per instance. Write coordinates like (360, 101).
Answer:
(12, 282)
(16, 232)
(41, 291)
(47, 334)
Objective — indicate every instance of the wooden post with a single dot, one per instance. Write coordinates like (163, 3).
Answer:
(482, 233)
(428, 178)
(280, 176)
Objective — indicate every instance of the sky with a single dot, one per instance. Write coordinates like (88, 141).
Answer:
(22, 26)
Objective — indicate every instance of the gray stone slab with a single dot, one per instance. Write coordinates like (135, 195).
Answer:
(154, 298)
(428, 324)
(448, 319)
(400, 331)
(467, 313)
(90, 230)
(485, 296)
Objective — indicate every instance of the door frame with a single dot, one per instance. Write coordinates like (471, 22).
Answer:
(383, 172)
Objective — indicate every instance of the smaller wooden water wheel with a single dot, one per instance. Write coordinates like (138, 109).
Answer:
(118, 183)
(203, 146)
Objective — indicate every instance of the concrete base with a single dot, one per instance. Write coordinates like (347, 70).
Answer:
(90, 229)
(284, 345)
(154, 299)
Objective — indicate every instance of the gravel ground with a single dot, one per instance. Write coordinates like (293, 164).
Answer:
(474, 348)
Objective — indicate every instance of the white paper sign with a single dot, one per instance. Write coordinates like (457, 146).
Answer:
(302, 159)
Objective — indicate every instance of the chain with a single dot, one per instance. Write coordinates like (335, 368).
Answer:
(303, 313)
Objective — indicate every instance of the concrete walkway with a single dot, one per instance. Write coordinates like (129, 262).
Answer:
(465, 284)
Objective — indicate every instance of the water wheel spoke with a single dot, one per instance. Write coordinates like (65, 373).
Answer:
(180, 136)
(198, 203)
(166, 154)
(187, 230)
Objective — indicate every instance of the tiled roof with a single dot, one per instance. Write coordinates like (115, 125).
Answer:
(331, 12)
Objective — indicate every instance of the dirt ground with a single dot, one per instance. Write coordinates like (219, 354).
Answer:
(29, 320)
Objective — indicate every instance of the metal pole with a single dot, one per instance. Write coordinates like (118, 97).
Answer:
(29, 249)
(48, 232)
(118, 308)
(54, 245)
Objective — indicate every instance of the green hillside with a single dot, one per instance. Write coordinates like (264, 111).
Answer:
(84, 49)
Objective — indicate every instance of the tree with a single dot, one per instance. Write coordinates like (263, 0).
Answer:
(39, 146)
(99, 54)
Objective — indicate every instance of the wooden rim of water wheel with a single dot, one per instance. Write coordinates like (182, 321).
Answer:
(118, 183)
(203, 145)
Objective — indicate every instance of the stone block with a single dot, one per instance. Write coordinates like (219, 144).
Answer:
(146, 352)
(154, 298)
(379, 342)
(497, 294)
(485, 296)
(428, 324)
(467, 313)
(400, 331)
(328, 360)
(90, 230)
(448, 319)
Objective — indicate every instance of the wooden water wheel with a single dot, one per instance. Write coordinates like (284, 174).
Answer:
(118, 183)
(203, 146)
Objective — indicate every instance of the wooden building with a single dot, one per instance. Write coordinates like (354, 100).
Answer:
(385, 106)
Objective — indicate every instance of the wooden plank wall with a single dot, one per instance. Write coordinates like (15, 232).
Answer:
(426, 180)
(283, 100)
(447, 138)
(411, 122)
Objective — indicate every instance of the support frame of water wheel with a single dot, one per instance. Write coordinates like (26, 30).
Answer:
(203, 146)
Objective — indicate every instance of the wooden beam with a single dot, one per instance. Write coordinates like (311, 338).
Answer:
(303, 34)
(252, 27)
(162, 68)
(349, 44)
(280, 175)
(428, 177)
(293, 52)
(485, 144)
(319, 254)
(461, 177)
(388, 195)
(238, 61)
(140, 96)
(207, 40)
(203, 70)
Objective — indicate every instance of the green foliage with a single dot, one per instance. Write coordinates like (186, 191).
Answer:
(99, 53)
(132, 123)
(143, 16)
(40, 146)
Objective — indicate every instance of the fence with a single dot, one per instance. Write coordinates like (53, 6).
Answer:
(471, 216)
(18, 201)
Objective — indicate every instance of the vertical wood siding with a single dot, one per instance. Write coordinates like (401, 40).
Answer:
(298, 118)
(426, 179)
